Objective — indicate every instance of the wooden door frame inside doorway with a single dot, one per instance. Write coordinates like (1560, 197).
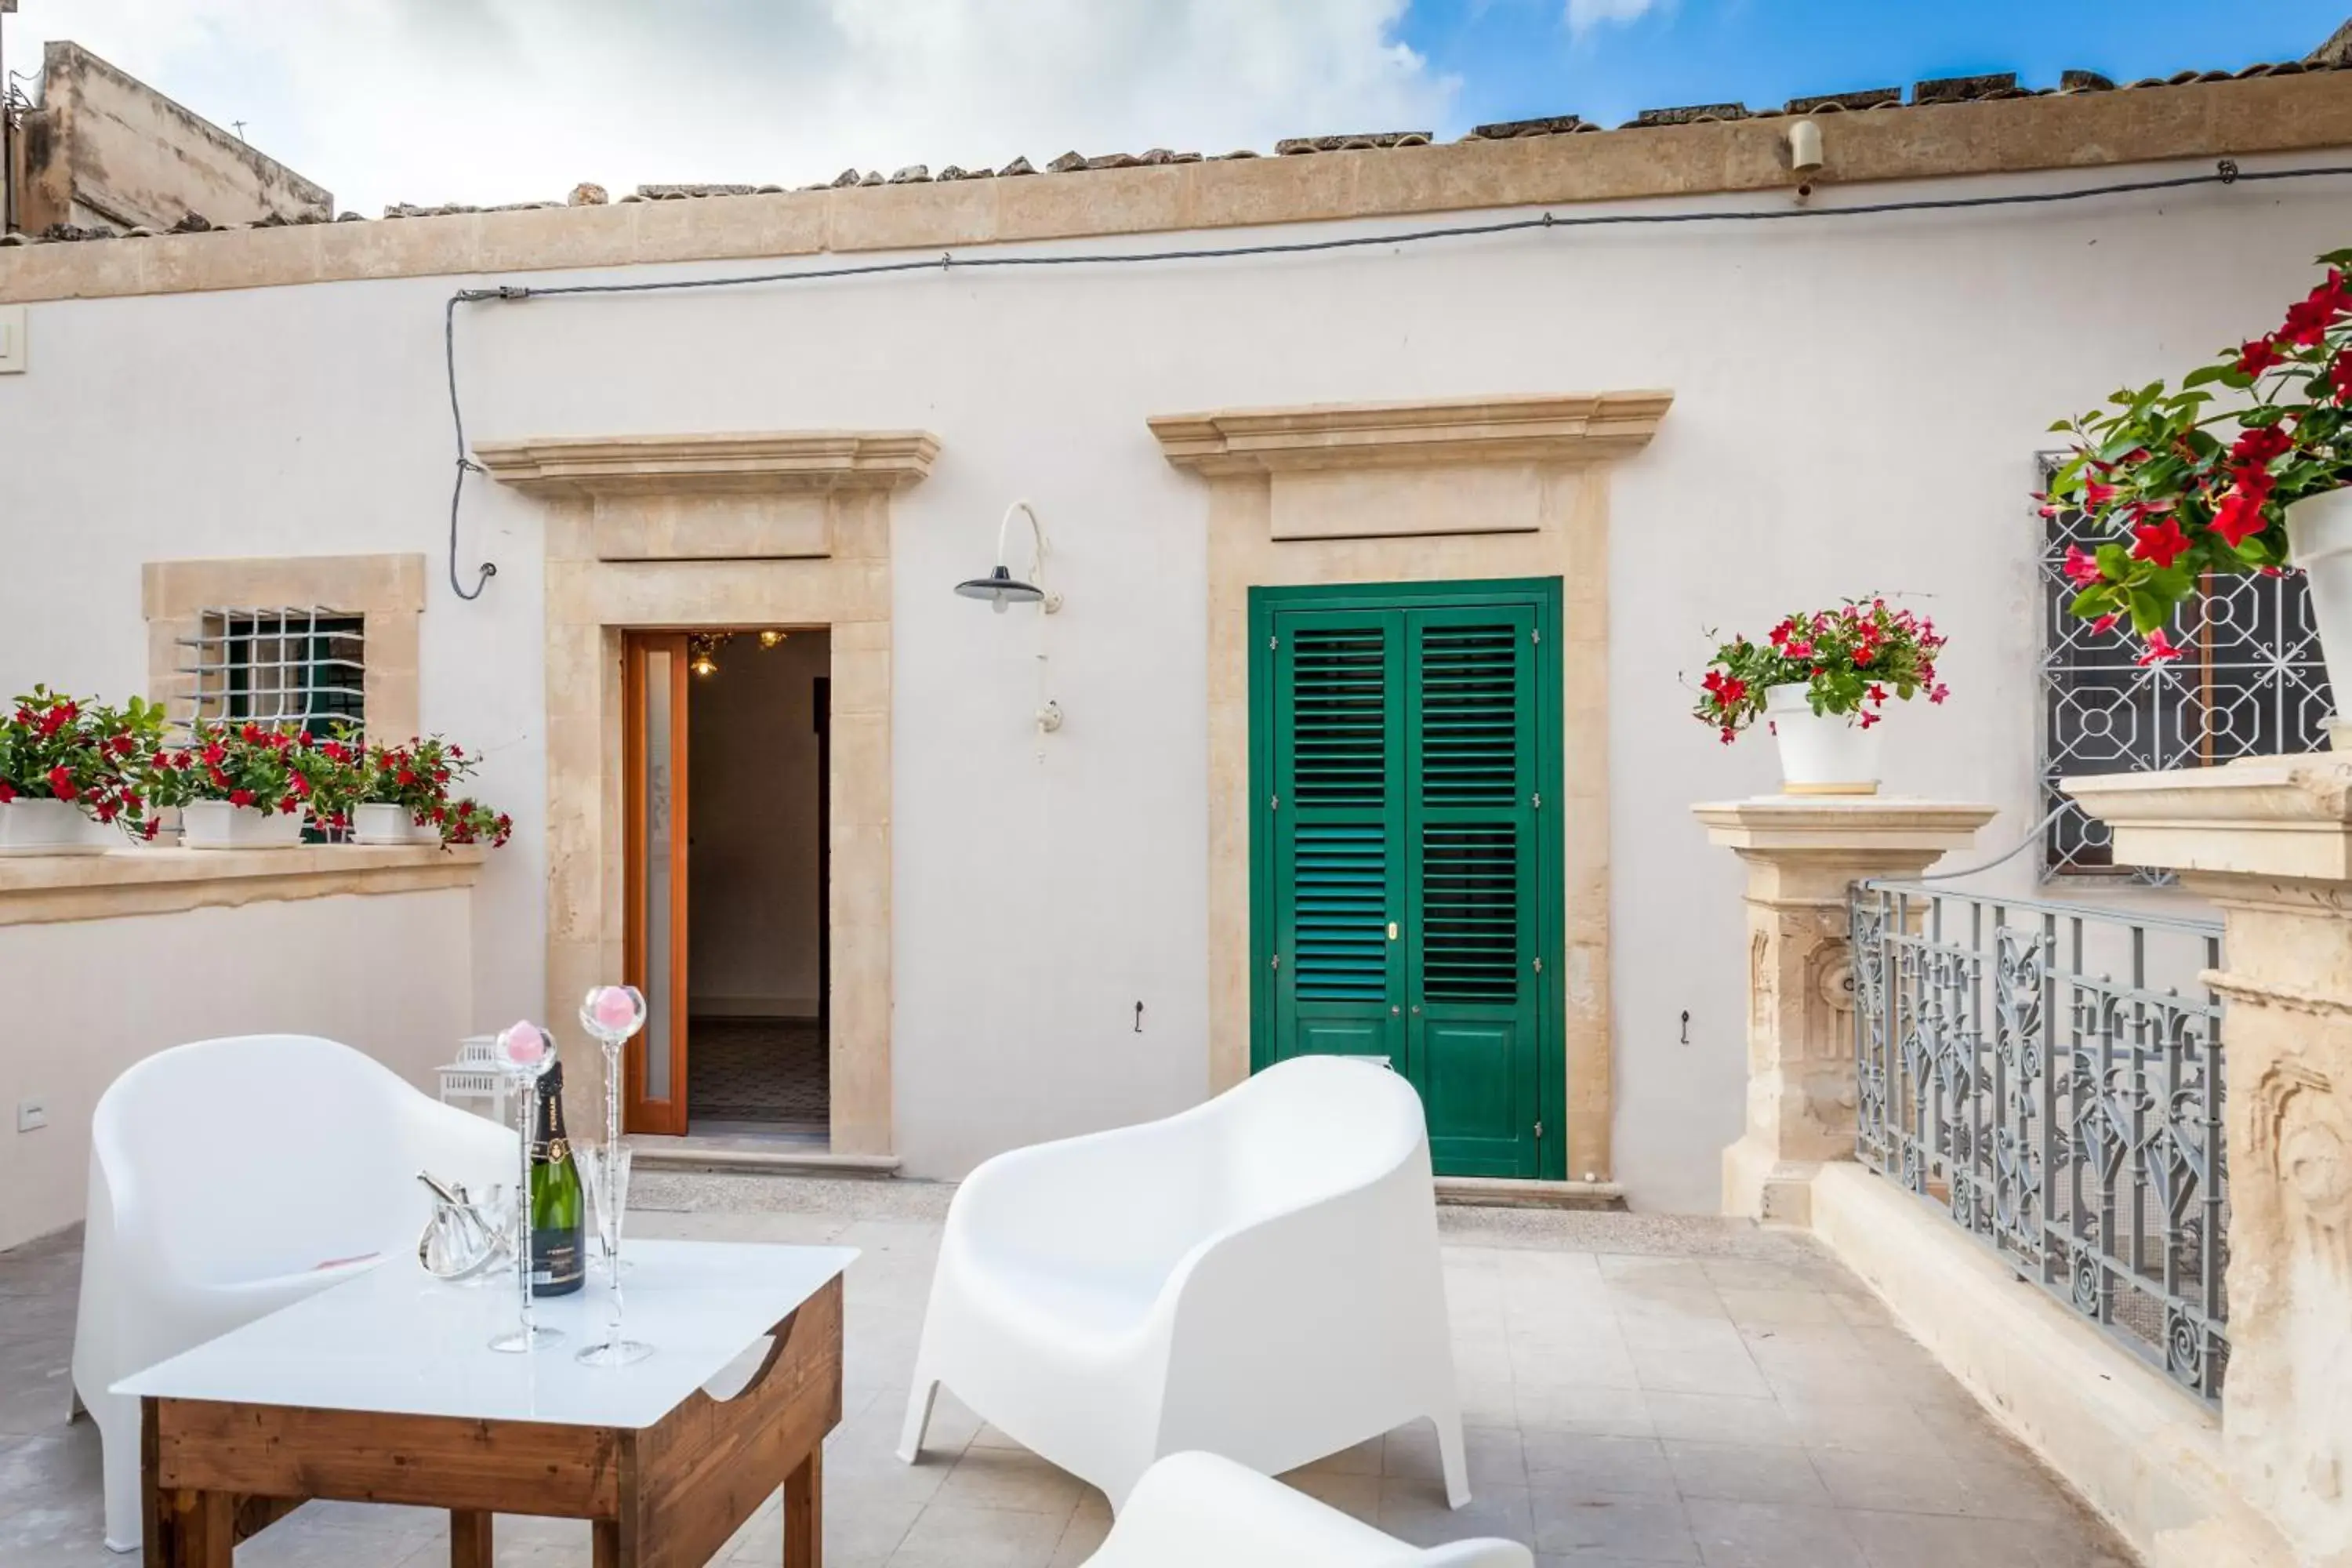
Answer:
(642, 1113)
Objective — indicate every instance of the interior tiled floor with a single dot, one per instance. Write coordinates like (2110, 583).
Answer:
(1637, 1391)
(757, 1070)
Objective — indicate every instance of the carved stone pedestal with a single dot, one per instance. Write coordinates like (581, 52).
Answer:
(1802, 853)
(2270, 841)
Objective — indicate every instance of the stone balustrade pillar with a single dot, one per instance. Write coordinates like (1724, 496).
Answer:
(1803, 854)
(2269, 840)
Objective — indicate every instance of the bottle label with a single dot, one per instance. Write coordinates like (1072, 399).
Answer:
(556, 1262)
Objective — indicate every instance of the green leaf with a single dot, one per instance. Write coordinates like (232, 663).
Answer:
(2148, 610)
(2205, 374)
(2114, 565)
(2093, 603)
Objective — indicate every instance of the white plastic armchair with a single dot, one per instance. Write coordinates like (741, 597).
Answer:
(229, 1178)
(1257, 1277)
(1197, 1511)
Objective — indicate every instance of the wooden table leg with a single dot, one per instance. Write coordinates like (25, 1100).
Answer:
(604, 1544)
(805, 1511)
(469, 1538)
(192, 1529)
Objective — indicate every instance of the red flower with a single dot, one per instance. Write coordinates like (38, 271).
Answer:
(2105, 624)
(2238, 517)
(1798, 650)
(1876, 694)
(61, 783)
(2340, 376)
(1937, 694)
(2082, 566)
(252, 735)
(2257, 356)
(2262, 444)
(1729, 735)
(7, 791)
(2160, 542)
(240, 797)
(1868, 718)
(2308, 319)
(2096, 494)
(2159, 649)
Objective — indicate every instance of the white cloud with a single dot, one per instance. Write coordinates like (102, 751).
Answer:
(1583, 16)
(487, 100)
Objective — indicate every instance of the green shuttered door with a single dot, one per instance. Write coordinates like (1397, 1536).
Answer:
(1399, 907)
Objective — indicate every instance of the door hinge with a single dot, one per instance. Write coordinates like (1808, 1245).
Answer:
(1536, 800)
(1273, 803)
(1277, 961)
(1538, 1130)
(1538, 966)
(1273, 642)
(1535, 633)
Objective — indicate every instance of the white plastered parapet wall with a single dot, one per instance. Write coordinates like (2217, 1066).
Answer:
(1857, 408)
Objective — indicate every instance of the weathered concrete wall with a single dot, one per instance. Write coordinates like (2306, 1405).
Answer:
(104, 148)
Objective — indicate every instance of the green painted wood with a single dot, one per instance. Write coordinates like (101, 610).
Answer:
(1400, 740)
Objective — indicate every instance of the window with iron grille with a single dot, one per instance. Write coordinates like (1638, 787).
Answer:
(2249, 683)
(287, 668)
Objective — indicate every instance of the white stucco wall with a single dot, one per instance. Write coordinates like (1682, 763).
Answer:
(388, 974)
(1857, 406)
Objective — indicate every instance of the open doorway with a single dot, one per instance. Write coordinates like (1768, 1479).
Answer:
(728, 819)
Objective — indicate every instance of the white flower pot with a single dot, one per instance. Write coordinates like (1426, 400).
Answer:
(1821, 754)
(217, 825)
(378, 824)
(2320, 541)
(46, 828)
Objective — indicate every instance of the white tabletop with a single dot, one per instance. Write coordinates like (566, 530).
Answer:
(398, 1341)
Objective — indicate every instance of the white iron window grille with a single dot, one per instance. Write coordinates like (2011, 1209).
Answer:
(2250, 684)
(287, 668)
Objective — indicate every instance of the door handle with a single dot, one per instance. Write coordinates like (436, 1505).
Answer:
(1392, 931)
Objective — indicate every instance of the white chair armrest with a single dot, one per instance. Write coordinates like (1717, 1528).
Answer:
(1133, 1193)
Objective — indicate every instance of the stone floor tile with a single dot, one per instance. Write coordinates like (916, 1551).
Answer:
(1769, 1306)
(1724, 1418)
(1744, 1472)
(1674, 1332)
(1927, 1540)
(1417, 1511)
(1869, 1428)
(1580, 1463)
(1638, 1529)
(1905, 1483)
(1772, 1535)
(1494, 1456)
(1608, 1412)
(1014, 1479)
(944, 1536)
(1089, 1523)
(1676, 1371)
(1829, 1376)
(1650, 1269)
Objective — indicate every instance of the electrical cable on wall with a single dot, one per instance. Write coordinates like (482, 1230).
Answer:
(2226, 172)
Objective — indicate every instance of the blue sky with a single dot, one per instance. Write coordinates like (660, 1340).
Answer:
(1520, 58)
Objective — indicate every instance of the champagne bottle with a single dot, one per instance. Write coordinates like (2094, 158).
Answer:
(558, 1203)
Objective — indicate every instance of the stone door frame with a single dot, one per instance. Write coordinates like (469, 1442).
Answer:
(788, 529)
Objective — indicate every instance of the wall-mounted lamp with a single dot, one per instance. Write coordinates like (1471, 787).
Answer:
(1000, 588)
(702, 647)
(1805, 155)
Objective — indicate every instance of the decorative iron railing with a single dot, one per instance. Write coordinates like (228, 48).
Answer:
(2050, 1075)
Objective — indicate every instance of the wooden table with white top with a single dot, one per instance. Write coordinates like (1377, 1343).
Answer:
(384, 1389)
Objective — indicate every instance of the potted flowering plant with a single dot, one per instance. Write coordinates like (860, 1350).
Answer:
(2242, 467)
(64, 760)
(1823, 681)
(404, 791)
(247, 786)
(469, 821)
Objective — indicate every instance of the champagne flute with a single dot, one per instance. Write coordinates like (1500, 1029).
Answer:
(525, 1052)
(612, 1013)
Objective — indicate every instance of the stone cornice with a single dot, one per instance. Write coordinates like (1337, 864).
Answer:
(44, 890)
(2280, 816)
(1572, 427)
(2084, 130)
(802, 462)
(1841, 825)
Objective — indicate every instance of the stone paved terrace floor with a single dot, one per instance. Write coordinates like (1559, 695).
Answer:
(1636, 1390)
